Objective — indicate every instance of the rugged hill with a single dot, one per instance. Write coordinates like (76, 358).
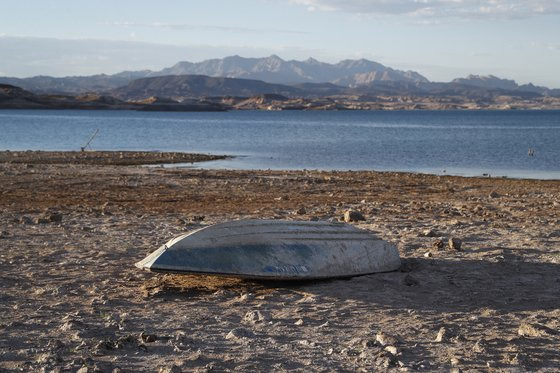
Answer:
(12, 97)
(273, 69)
(493, 82)
(195, 86)
(73, 84)
(188, 87)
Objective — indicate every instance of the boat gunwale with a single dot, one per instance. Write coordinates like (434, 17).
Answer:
(272, 278)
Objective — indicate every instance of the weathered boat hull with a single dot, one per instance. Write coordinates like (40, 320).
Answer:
(276, 250)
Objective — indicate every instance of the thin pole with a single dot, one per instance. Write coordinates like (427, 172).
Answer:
(90, 139)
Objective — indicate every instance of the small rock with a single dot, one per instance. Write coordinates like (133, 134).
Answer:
(245, 297)
(393, 350)
(438, 244)
(455, 361)
(441, 335)
(353, 216)
(26, 220)
(494, 194)
(125, 341)
(514, 359)
(103, 346)
(148, 338)
(385, 339)
(455, 244)
(41, 220)
(170, 369)
(239, 333)
(55, 217)
(301, 211)
(368, 343)
(83, 369)
(410, 281)
(428, 233)
(4, 234)
(385, 360)
(428, 254)
(299, 322)
(255, 317)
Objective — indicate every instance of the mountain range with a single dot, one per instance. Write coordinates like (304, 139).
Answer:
(273, 69)
(239, 76)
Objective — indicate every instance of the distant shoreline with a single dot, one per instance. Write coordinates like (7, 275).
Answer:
(12, 97)
(194, 108)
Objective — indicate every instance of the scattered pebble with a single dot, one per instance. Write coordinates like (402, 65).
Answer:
(385, 339)
(301, 211)
(170, 369)
(438, 244)
(353, 216)
(428, 233)
(392, 350)
(55, 217)
(455, 243)
(255, 317)
(148, 338)
(441, 335)
(239, 334)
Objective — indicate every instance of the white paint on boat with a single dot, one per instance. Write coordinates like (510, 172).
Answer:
(275, 249)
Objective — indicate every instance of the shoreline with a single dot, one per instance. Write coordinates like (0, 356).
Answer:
(175, 160)
(202, 110)
(105, 157)
(72, 298)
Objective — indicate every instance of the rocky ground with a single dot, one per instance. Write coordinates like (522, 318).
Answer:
(72, 300)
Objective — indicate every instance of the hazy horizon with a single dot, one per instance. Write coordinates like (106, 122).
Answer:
(441, 40)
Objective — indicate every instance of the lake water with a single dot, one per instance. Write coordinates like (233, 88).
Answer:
(440, 142)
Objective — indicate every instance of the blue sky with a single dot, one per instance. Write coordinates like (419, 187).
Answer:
(441, 39)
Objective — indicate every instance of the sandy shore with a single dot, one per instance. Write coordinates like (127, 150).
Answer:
(71, 299)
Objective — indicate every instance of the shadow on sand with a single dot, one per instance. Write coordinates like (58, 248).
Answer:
(444, 285)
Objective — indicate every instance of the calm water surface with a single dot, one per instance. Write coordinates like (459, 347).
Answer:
(453, 142)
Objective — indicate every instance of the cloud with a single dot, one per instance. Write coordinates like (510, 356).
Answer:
(455, 9)
(24, 56)
(191, 27)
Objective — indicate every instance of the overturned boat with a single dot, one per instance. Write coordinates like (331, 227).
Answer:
(275, 250)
